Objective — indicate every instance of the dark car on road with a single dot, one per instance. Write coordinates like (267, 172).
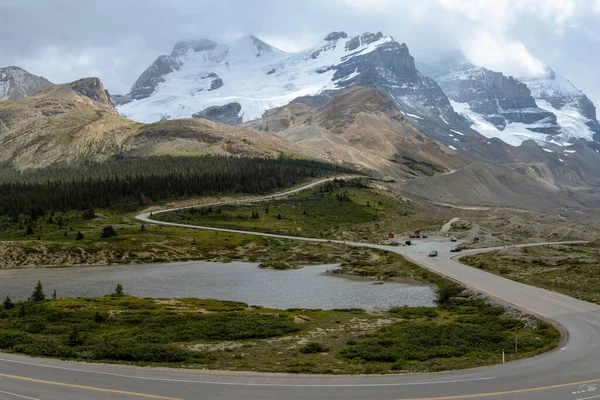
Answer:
(455, 249)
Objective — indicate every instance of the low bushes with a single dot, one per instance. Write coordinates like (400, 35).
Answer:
(477, 330)
(138, 330)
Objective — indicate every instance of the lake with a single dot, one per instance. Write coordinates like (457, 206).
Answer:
(309, 287)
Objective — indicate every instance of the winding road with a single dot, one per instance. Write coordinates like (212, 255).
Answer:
(571, 372)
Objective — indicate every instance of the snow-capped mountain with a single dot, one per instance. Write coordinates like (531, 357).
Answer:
(16, 83)
(199, 74)
(496, 105)
(548, 109)
(575, 112)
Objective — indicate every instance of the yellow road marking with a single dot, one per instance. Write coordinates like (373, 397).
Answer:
(490, 394)
(149, 396)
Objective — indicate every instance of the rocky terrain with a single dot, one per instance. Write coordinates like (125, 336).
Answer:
(16, 83)
(364, 128)
(548, 108)
(227, 114)
(501, 100)
(575, 112)
(77, 121)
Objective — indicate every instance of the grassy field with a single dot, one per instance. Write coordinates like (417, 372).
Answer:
(364, 213)
(351, 209)
(57, 246)
(572, 270)
(460, 333)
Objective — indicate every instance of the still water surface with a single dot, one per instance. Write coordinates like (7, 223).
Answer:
(309, 287)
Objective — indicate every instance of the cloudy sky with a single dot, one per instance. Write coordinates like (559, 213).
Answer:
(116, 40)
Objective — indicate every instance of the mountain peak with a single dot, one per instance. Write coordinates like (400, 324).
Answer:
(183, 46)
(335, 36)
(16, 83)
(260, 77)
(260, 45)
(93, 89)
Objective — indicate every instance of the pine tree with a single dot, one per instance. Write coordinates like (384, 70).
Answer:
(108, 231)
(119, 290)
(8, 303)
(74, 338)
(278, 216)
(79, 236)
(29, 230)
(54, 294)
(22, 312)
(38, 293)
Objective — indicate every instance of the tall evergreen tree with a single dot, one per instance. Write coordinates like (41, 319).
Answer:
(38, 293)
(119, 290)
(8, 303)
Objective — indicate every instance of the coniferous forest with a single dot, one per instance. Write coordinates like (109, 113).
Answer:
(126, 183)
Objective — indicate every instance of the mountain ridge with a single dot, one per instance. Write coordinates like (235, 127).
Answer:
(201, 73)
(548, 108)
(76, 122)
(16, 83)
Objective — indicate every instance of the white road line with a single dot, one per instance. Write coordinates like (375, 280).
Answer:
(588, 398)
(246, 384)
(18, 395)
(580, 347)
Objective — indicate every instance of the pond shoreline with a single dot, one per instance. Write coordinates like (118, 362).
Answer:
(311, 287)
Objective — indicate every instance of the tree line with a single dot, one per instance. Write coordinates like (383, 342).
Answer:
(128, 183)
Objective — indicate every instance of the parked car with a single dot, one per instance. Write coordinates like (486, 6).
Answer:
(455, 249)
(408, 243)
(424, 236)
(433, 253)
(453, 239)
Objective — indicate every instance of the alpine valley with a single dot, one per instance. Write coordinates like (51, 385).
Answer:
(450, 131)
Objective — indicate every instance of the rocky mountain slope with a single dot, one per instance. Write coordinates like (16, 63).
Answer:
(16, 83)
(361, 127)
(575, 112)
(483, 184)
(61, 123)
(547, 109)
(77, 121)
(201, 73)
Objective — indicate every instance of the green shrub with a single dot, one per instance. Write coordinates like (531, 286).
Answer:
(108, 231)
(414, 312)
(279, 265)
(448, 290)
(313, 347)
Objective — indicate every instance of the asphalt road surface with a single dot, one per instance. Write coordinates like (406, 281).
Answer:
(571, 372)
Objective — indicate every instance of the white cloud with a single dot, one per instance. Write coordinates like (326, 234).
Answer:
(500, 54)
(58, 39)
(482, 28)
(118, 66)
(298, 43)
